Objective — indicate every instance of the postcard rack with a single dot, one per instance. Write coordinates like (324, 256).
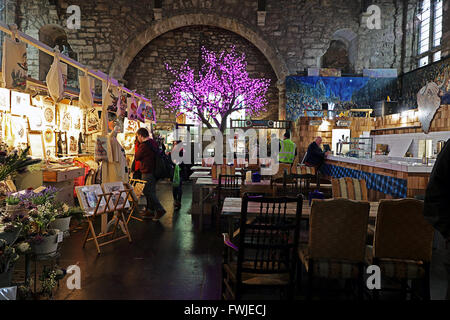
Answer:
(101, 210)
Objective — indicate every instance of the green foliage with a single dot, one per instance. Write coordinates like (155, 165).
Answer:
(15, 162)
(11, 200)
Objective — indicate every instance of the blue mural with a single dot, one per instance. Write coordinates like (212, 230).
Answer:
(343, 93)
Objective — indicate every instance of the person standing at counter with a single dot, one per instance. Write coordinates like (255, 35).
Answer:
(437, 202)
(315, 157)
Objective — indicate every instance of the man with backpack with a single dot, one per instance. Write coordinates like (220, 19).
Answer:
(146, 155)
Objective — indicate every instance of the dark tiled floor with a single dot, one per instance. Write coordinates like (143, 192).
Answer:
(170, 260)
(166, 260)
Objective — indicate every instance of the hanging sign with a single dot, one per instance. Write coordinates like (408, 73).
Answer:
(343, 123)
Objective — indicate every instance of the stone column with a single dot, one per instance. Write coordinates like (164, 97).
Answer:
(281, 85)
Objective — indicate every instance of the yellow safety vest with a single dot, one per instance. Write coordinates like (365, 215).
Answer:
(287, 153)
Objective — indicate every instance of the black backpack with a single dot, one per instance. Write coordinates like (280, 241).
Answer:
(163, 165)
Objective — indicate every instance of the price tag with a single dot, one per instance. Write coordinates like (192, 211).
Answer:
(60, 237)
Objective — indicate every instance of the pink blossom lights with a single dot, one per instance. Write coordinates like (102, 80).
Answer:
(221, 87)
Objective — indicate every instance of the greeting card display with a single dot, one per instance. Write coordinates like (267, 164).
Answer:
(117, 197)
(5, 100)
(88, 197)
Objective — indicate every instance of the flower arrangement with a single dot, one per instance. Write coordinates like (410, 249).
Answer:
(49, 280)
(8, 256)
(40, 218)
(66, 211)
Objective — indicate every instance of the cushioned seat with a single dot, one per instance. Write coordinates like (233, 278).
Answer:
(329, 268)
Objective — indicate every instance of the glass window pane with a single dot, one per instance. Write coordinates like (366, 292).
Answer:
(437, 56)
(423, 61)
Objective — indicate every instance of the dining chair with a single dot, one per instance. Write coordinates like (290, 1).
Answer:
(228, 186)
(402, 245)
(266, 249)
(350, 188)
(337, 242)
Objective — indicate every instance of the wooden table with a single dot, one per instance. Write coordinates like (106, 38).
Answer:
(200, 168)
(232, 207)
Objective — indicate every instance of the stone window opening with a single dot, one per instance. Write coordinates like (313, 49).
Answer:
(429, 32)
(55, 36)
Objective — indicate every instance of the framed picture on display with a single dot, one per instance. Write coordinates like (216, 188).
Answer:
(114, 188)
(49, 115)
(49, 143)
(5, 100)
(20, 103)
(19, 130)
(36, 142)
(88, 196)
(72, 142)
(35, 118)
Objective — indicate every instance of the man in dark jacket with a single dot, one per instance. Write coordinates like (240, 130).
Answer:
(437, 202)
(315, 157)
(145, 154)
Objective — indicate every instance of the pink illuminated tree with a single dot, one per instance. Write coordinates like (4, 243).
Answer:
(221, 87)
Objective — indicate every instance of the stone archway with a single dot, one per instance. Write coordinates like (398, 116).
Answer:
(135, 45)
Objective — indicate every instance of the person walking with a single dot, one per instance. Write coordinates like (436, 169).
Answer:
(177, 181)
(145, 154)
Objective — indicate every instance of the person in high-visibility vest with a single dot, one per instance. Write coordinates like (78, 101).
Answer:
(288, 149)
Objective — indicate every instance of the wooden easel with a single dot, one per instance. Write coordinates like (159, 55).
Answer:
(120, 218)
(134, 197)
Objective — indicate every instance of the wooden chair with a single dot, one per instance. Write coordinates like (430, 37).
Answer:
(402, 245)
(294, 184)
(229, 186)
(337, 242)
(266, 251)
(350, 188)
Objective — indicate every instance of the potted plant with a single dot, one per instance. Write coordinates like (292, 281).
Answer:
(15, 162)
(8, 256)
(48, 281)
(42, 238)
(12, 204)
(64, 216)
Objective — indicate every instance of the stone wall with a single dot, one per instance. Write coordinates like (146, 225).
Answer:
(295, 35)
(148, 75)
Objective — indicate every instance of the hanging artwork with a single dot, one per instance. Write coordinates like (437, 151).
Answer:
(35, 118)
(141, 111)
(122, 105)
(132, 108)
(49, 115)
(14, 64)
(149, 113)
(127, 140)
(19, 130)
(131, 126)
(5, 100)
(49, 143)
(101, 149)
(92, 121)
(86, 99)
(65, 117)
(36, 145)
(77, 115)
(55, 80)
(20, 102)
(73, 142)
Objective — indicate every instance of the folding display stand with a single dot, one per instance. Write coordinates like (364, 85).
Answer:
(99, 211)
(137, 190)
